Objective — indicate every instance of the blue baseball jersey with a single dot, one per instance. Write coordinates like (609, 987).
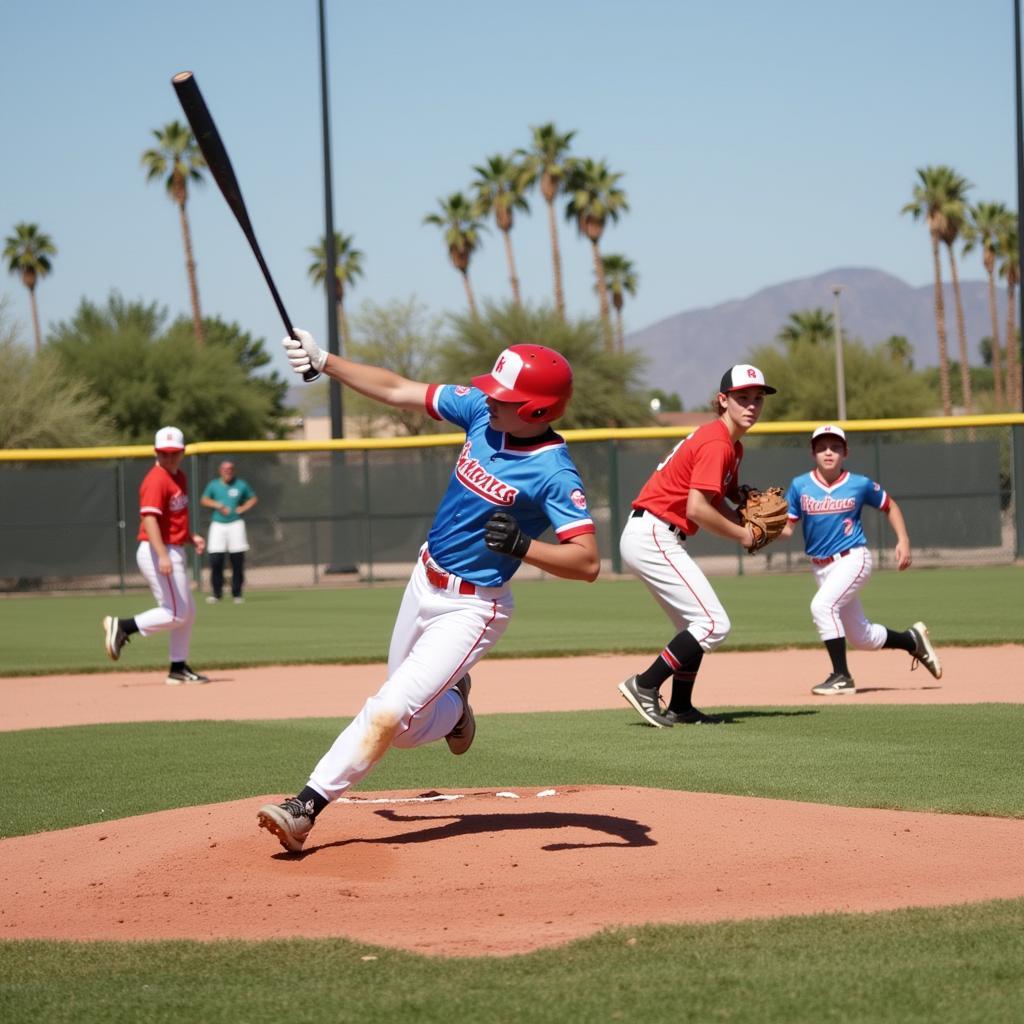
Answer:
(538, 485)
(831, 512)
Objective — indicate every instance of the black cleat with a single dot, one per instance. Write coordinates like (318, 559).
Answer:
(645, 702)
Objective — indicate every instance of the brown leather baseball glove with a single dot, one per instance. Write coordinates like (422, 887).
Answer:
(766, 513)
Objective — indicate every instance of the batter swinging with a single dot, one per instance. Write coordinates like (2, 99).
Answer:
(513, 478)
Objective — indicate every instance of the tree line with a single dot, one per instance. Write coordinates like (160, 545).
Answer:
(499, 190)
(591, 197)
(940, 200)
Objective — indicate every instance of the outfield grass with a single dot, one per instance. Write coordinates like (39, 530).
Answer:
(553, 617)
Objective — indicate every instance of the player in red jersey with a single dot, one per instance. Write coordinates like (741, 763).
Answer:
(687, 491)
(163, 533)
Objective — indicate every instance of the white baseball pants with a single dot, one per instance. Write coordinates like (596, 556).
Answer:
(836, 608)
(177, 609)
(439, 636)
(657, 555)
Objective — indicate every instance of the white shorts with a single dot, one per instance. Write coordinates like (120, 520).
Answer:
(227, 537)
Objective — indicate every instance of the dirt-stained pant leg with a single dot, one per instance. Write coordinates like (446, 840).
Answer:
(438, 637)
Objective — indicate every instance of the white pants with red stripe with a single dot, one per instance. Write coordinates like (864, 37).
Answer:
(836, 607)
(657, 555)
(438, 637)
(177, 609)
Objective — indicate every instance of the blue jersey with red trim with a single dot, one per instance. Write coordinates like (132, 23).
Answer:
(539, 485)
(831, 512)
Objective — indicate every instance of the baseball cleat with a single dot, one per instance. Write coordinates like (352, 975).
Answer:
(460, 739)
(186, 675)
(692, 716)
(925, 653)
(838, 682)
(114, 637)
(645, 702)
(290, 821)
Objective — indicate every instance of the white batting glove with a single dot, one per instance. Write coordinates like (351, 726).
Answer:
(304, 353)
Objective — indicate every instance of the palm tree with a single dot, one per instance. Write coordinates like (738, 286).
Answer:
(462, 226)
(347, 268)
(935, 201)
(28, 253)
(546, 163)
(500, 187)
(956, 217)
(983, 229)
(1009, 268)
(620, 278)
(177, 155)
(815, 326)
(594, 198)
(900, 350)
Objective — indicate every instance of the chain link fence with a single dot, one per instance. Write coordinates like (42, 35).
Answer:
(357, 512)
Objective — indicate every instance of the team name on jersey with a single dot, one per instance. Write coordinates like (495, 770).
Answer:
(178, 502)
(473, 476)
(827, 505)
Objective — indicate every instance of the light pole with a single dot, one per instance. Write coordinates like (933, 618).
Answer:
(1020, 177)
(340, 561)
(840, 373)
(330, 251)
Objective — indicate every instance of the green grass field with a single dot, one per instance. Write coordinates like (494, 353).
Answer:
(957, 964)
(553, 617)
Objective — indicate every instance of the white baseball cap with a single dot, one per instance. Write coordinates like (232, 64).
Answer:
(743, 375)
(169, 439)
(829, 428)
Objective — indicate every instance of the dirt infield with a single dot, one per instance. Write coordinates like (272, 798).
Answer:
(488, 871)
(971, 675)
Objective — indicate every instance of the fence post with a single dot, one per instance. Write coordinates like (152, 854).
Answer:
(880, 526)
(314, 552)
(614, 515)
(1017, 459)
(369, 515)
(194, 523)
(122, 526)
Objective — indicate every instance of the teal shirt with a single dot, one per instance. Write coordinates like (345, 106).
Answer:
(232, 495)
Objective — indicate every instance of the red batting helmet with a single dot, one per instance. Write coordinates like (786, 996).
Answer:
(538, 377)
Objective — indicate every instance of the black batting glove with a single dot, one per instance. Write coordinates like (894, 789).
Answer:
(502, 534)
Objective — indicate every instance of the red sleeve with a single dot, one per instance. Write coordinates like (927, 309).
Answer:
(429, 402)
(153, 494)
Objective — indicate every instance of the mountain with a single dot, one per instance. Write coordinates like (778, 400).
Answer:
(687, 353)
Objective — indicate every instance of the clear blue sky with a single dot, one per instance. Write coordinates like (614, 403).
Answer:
(758, 142)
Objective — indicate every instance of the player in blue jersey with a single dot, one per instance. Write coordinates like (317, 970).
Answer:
(828, 501)
(512, 480)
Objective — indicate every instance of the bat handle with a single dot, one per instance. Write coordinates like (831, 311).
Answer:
(309, 375)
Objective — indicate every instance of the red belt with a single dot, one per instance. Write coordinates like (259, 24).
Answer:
(440, 579)
(831, 558)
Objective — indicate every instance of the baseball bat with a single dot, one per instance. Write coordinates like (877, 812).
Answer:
(216, 156)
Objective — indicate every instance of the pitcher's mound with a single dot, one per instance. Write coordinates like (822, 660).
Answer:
(494, 872)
